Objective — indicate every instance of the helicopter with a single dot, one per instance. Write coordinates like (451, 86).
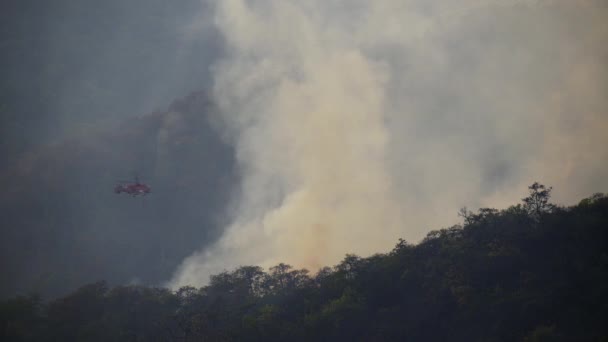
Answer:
(133, 188)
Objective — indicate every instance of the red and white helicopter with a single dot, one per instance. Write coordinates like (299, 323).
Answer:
(134, 188)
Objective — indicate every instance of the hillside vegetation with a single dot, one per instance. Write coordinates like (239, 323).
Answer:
(531, 272)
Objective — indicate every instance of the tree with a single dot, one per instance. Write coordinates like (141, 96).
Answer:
(467, 215)
(21, 318)
(537, 202)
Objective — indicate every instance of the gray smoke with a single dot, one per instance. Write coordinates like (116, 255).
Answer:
(359, 122)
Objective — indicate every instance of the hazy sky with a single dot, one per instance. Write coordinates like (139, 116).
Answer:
(78, 82)
(69, 65)
(359, 122)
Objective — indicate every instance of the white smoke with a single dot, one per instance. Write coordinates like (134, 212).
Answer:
(359, 122)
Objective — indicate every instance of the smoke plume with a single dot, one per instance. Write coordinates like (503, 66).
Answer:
(359, 122)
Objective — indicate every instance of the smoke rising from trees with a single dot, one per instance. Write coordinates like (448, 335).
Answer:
(360, 122)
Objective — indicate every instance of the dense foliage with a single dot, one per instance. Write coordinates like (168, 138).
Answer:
(532, 272)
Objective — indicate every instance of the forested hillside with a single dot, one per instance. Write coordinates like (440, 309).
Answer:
(531, 272)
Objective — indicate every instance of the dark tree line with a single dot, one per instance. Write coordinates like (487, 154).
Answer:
(532, 272)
